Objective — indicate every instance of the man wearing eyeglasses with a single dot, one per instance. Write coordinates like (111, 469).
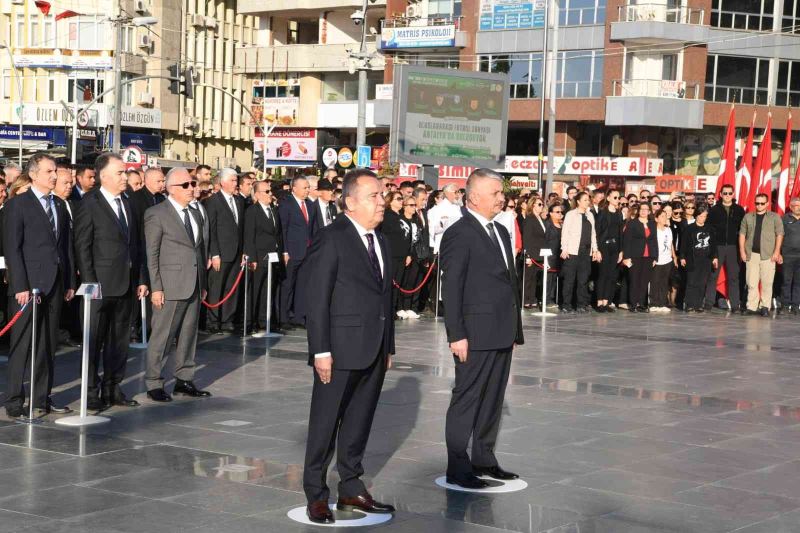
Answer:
(725, 218)
(262, 237)
(760, 239)
(176, 262)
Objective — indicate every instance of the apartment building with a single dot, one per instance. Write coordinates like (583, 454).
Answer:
(650, 80)
(302, 78)
(64, 57)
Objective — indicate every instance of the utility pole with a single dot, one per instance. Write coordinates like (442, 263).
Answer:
(21, 106)
(363, 65)
(551, 120)
(545, 71)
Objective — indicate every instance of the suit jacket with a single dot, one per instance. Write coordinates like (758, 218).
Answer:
(262, 235)
(103, 252)
(33, 253)
(349, 312)
(176, 265)
(204, 218)
(319, 217)
(634, 240)
(143, 199)
(533, 236)
(224, 234)
(76, 195)
(479, 287)
(297, 233)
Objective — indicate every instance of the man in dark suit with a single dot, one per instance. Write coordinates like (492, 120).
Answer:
(38, 253)
(483, 324)
(350, 344)
(262, 236)
(85, 182)
(108, 251)
(325, 211)
(246, 181)
(296, 212)
(225, 231)
(176, 262)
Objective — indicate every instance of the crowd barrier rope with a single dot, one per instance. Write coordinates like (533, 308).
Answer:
(418, 287)
(13, 320)
(541, 266)
(230, 293)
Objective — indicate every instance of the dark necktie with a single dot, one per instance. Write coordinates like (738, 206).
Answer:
(331, 213)
(496, 242)
(48, 208)
(121, 216)
(373, 258)
(233, 210)
(188, 224)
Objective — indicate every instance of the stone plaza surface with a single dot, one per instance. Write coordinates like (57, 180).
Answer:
(618, 423)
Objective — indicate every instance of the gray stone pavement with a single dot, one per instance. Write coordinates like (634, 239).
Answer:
(619, 423)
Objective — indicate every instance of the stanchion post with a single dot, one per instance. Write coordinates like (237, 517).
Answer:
(144, 320)
(89, 291)
(546, 253)
(524, 271)
(34, 315)
(271, 258)
(244, 318)
(438, 288)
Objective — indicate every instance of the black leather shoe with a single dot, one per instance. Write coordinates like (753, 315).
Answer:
(14, 412)
(55, 409)
(187, 388)
(159, 395)
(763, 311)
(602, 308)
(751, 313)
(319, 513)
(364, 502)
(118, 398)
(494, 472)
(472, 482)
(610, 309)
(94, 403)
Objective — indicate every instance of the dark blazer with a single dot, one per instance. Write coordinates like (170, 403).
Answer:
(319, 220)
(224, 234)
(692, 235)
(725, 223)
(75, 195)
(480, 289)
(103, 253)
(634, 240)
(399, 240)
(552, 240)
(533, 236)
(262, 235)
(143, 199)
(348, 313)
(604, 227)
(33, 254)
(297, 234)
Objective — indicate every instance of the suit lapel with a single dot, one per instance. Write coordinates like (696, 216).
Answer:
(40, 212)
(484, 235)
(176, 218)
(111, 213)
(387, 273)
(362, 252)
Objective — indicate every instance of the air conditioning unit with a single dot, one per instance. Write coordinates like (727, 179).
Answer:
(18, 2)
(210, 22)
(140, 6)
(144, 41)
(190, 123)
(413, 11)
(198, 21)
(145, 99)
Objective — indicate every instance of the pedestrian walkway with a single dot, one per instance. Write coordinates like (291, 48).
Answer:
(618, 423)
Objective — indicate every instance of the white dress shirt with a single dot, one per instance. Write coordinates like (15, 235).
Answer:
(228, 199)
(45, 197)
(441, 217)
(267, 210)
(112, 201)
(179, 208)
(363, 232)
(323, 211)
(484, 221)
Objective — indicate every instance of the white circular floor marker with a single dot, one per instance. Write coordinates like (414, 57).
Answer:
(496, 486)
(343, 519)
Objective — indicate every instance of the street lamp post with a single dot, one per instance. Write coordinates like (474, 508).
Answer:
(118, 22)
(21, 108)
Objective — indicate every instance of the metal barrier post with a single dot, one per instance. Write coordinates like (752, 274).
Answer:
(89, 291)
(546, 253)
(272, 258)
(142, 344)
(524, 271)
(244, 318)
(34, 308)
(438, 289)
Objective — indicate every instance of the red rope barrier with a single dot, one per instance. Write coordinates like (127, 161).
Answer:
(230, 293)
(535, 263)
(12, 321)
(419, 287)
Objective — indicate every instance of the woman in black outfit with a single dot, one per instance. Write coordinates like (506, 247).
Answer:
(413, 272)
(532, 243)
(399, 242)
(639, 251)
(552, 240)
(609, 241)
(698, 256)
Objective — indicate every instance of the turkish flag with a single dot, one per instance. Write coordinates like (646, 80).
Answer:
(727, 170)
(44, 7)
(67, 14)
(746, 168)
(782, 202)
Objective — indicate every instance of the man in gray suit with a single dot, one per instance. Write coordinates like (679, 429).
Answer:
(176, 260)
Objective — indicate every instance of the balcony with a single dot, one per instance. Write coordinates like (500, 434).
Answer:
(298, 7)
(666, 103)
(417, 33)
(657, 23)
(301, 58)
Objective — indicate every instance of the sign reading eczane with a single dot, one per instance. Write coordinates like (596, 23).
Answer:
(448, 117)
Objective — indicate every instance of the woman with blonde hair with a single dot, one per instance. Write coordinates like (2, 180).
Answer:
(19, 186)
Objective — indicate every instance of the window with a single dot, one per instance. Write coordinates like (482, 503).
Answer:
(88, 89)
(87, 33)
(579, 12)
(343, 87)
(579, 73)
(6, 84)
(787, 91)
(669, 67)
(791, 16)
(737, 79)
(20, 27)
(440, 8)
(441, 61)
(51, 90)
(34, 33)
(49, 35)
(753, 15)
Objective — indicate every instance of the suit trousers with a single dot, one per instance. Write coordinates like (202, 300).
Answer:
(219, 284)
(760, 271)
(287, 291)
(47, 318)
(176, 318)
(341, 417)
(727, 255)
(258, 315)
(791, 280)
(639, 275)
(608, 272)
(411, 278)
(533, 282)
(659, 285)
(398, 272)
(110, 335)
(476, 407)
(575, 271)
(696, 280)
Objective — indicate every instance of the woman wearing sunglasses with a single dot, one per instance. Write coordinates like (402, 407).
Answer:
(533, 241)
(639, 250)
(609, 240)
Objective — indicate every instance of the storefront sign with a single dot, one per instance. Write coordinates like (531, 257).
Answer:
(329, 157)
(63, 59)
(345, 157)
(141, 117)
(524, 182)
(601, 166)
(418, 37)
(28, 134)
(57, 115)
(279, 111)
(384, 91)
(289, 145)
(511, 14)
(669, 183)
(672, 89)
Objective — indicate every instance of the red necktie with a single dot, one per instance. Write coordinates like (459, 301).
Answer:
(304, 211)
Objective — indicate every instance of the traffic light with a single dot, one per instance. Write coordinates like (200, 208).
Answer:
(181, 81)
(175, 82)
(188, 89)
